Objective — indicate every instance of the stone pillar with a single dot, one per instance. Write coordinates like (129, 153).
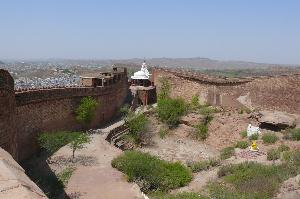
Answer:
(8, 136)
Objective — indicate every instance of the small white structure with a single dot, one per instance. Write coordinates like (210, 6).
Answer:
(252, 130)
(143, 73)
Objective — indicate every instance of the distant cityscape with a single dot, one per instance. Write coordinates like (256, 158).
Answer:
(30, 74)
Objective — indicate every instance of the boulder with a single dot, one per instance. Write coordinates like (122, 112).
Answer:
(277, 119)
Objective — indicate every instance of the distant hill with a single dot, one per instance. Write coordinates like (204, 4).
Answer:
(1, 63)
(201, 63)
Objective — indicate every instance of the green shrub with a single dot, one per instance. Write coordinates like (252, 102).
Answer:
(227, 153)
(124, 110)
(242, 144)
(137, 125)
(292, 160)
(243, 134)
(294, 134)
(155, 174)
(86, 110)
(194, 104)
(165, 88)
(254, 136)
(183, 195)
(203, 165)
(269, 138)
(170, 110)
(65, 175)
(273, 154)
(206, 110)
(163, 132)
(286, 156)
(251, 177)
(51, 142)
(283, 148)
(201, 131)
(220, 191)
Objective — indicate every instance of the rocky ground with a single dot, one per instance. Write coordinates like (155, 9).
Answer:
(95, 178)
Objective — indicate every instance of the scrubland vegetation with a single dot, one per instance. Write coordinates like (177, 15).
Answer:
(51, 142)
(150, 172)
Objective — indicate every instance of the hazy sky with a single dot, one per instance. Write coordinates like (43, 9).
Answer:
(250, 30)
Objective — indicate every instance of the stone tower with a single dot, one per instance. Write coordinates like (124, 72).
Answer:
(8, 137)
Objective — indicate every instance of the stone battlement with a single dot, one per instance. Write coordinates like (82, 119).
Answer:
(280, 92)
(218, 81)
(25, 113)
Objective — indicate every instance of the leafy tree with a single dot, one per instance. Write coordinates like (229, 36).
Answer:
(78, 141)
(86, 110)
(54, 141)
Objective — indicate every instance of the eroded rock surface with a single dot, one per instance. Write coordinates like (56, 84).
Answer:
(14, 183)
(277, 119)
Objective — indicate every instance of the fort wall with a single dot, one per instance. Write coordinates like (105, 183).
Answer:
(280, 93)
(8, 134)
(25, 114)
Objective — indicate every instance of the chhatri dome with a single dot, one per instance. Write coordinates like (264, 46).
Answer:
(143, 73)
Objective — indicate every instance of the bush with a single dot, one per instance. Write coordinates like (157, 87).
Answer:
(86, 110)
(137, 125)
(269, 138)
(242, 144)
(207, 110)
(165, 88)
(163, 132)
(254, 136)
(170, 110)
(273, 154)
(65, 175)
(220, 191)
(201, 131)
(203, 165)
(194, 104)
(155, 174)
(227, 153)
(294, 134)
(243, 134)
(251, 177)
(283, 148)
(51, 142)
(183, 195)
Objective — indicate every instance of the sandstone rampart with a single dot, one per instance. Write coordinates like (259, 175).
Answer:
(26, 113)
(280, 93)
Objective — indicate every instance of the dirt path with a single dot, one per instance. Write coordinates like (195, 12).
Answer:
(98, 179)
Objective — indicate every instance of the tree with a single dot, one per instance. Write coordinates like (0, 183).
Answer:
(86, 110)
(78, 141)
(170, 110)
(165, 88)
